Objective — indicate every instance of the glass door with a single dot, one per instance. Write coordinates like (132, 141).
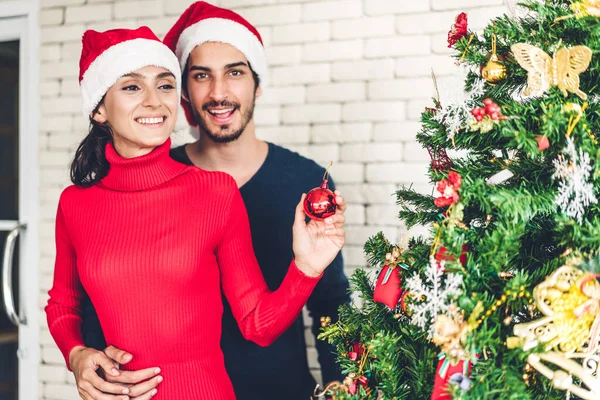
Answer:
(9, 216)
(19, 343)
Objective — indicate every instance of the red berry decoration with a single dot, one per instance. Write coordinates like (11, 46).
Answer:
(491, 111)
(320, 202)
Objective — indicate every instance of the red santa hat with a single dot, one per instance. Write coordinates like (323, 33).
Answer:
(202, 22)
(107, 56)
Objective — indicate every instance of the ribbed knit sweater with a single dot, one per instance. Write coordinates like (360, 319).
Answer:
(154, 267)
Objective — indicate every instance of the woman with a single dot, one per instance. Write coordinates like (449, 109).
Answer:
(155, 271)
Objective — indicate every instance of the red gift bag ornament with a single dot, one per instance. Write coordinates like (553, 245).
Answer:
(320, 202)
(387, 289)
(445, 370)
(454, 365)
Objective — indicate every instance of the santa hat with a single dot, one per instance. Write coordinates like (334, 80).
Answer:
(202, 22)
(107, 56)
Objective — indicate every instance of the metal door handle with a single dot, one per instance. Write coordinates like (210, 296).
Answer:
(7, 289)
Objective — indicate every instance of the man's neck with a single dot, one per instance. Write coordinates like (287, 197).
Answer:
(241, 158)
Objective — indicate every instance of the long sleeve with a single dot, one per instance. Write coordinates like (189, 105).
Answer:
(64, 305)
(261, 315)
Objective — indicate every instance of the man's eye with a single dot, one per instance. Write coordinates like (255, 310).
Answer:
(201, 75)
(236, 73)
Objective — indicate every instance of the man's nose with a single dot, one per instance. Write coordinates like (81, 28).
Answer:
(218, 90)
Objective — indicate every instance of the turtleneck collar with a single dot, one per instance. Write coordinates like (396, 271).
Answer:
(140, 173)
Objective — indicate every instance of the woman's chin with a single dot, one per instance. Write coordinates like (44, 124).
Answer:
(153, 138)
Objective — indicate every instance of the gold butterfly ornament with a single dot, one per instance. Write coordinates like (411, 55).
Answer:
(561, 70)
(586, 8)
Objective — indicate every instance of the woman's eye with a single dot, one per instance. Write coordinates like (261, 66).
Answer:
(131, 88)
(167, 86)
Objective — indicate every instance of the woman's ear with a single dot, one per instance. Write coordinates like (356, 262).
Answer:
(99, 115)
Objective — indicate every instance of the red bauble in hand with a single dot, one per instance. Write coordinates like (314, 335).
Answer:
(320, 202)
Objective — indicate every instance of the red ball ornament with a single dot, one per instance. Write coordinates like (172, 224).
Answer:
(320, 202)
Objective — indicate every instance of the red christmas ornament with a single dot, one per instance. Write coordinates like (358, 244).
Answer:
(442, 255)
(362, 381)
(405, 294)
(543, 142)
(439, 159)
(387, 289)
(357, 351)
(458, 30)
(444, 372)
(449, 190)
(320, 202)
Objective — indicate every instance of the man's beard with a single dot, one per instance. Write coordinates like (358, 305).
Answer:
(232, 136)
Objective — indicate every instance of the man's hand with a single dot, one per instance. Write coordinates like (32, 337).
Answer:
(316, 244)
(142, 383)
(84, 363)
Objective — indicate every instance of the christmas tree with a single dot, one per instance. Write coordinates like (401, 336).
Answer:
(502, 300)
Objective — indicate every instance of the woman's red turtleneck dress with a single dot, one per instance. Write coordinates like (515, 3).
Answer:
(153, 244)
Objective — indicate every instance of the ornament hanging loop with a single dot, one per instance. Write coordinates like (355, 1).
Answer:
(327, 171)
(464, 53)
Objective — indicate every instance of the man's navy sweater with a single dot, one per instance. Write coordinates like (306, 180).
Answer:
(281, 370)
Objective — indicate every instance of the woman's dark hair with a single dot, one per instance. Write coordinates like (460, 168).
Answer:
(89, 165)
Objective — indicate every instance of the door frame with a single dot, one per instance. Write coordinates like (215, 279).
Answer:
(26, 13)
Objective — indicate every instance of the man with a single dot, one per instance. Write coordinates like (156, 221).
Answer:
(225, 69)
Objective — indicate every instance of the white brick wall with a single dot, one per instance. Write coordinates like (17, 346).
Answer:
(349, 80)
